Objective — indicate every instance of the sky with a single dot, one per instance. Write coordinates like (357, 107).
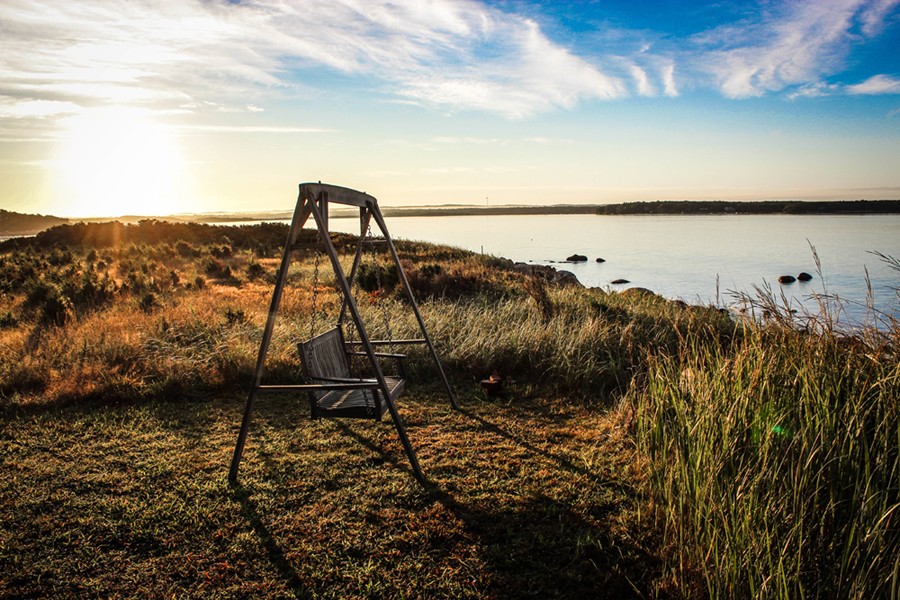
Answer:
(154, 107)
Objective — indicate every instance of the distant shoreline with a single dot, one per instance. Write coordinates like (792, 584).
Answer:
(669, 207)
(17, 224)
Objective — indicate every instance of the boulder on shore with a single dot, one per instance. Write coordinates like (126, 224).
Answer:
(566, 279)
(637, 292)
(804, 277)
(577, 258)
(549, 274)
(787, 279)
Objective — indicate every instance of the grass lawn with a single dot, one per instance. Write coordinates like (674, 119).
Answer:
(534, 498)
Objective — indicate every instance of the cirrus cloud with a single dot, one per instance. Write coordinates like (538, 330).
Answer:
(449, 55)
(877, 84)
(796, 44)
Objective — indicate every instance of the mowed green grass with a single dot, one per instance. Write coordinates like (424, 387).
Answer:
(532, 497)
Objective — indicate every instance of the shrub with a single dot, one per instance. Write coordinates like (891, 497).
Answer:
(148, 302)
(223, 251)
(53, 305)
(93, 291)
(60, 256)
(217, 269)
(369, 277)
(186, 250)
(7, 320)
(234, 317)
(255, 270)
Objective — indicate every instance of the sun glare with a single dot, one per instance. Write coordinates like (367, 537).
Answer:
(116, 162)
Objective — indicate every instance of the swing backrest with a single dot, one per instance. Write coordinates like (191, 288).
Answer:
(324, 356)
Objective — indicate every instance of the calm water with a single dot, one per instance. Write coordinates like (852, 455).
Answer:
(681, 256)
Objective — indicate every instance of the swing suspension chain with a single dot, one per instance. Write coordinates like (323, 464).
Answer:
(380, 299)
(315, 292)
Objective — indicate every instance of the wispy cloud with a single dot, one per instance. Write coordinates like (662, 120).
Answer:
(444, 139)
(815, 90)
(213, 56)
(878, 84)
(253, 129)
(447, 53)
(667, 74)
(796, 44)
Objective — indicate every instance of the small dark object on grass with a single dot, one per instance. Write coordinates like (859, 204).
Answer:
(619, 281)
(787, 279)
(493, 386)
(804, 277)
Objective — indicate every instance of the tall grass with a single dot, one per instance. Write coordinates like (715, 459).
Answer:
(160, 323)
(774, 459)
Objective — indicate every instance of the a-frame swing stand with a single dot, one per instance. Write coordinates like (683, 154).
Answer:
(313, 200)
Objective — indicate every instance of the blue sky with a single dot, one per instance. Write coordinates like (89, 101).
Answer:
(112, 107)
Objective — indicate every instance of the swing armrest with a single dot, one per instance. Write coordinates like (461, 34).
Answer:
(362, 383)
(380, 355)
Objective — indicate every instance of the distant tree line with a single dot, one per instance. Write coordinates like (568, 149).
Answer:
(790, 207)
(265, 239)
(13, 222)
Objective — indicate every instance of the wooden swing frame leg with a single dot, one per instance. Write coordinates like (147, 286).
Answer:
(300, 218)
(367, 344)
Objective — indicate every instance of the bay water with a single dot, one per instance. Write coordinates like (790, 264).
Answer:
(701, 259)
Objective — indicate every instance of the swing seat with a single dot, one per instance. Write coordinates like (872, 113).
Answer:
(324, 360)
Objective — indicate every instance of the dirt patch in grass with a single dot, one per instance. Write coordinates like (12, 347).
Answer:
(536, 498)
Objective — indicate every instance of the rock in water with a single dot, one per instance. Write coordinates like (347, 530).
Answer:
(804, 277)
(620, 281)
(577, 258)
(601, 260)
(787, 279)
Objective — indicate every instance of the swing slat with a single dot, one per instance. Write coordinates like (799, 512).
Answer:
(356, 403)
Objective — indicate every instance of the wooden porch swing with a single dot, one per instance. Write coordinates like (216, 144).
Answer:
(332, 389)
